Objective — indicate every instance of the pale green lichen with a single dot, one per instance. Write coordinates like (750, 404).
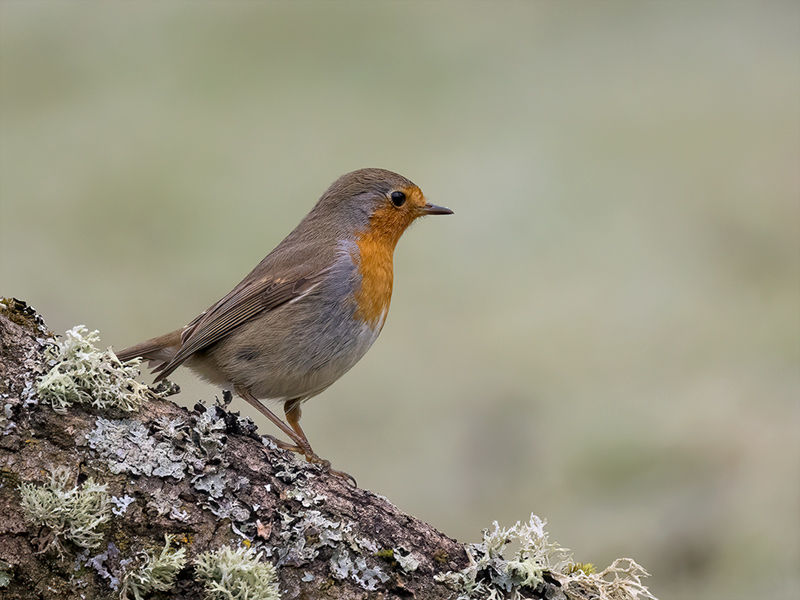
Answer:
(5, 575)
(621, 580)
(489, 571)
(491, 575)
(82, 374)
(155, 573)
(239, 574)
(71, 513)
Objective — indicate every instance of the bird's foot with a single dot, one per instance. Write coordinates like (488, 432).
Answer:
(314, 458)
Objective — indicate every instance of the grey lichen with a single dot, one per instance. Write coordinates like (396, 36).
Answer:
(209, 434)
(7, 424)
(407, 561)
(107, 564)
(121, 504)
(80, 373)
(70, 512)
(176, 448)
(236, 574)
(127, 447)
(155, 572)
(344, 566)
(304, 533)
(491, 575)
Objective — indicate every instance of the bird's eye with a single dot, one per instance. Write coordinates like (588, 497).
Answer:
(398, 198)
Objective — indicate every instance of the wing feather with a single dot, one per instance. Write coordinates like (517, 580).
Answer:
(243, 303)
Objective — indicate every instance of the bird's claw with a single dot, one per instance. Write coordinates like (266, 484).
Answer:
(326, 467)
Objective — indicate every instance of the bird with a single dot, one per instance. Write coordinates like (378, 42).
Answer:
(309, 311)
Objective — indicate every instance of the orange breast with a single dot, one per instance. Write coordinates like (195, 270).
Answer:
(376, 248)
(375, 293)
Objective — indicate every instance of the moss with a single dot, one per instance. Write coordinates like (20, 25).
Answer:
(70, 513)
(239, 574)
(586, 568)
(386, 554)
(155, 573)
(398, 558)
(9, 477)
(20, 313)
(82, 374)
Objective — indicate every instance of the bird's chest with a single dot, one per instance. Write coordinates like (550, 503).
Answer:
(373, 290)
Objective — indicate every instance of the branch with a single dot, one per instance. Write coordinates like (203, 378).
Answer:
(98, 500)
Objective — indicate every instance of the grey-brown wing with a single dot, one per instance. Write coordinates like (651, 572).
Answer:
(241, 305)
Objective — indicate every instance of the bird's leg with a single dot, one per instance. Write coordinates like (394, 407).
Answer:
(300, 443)
(292, 411)
(291, 408)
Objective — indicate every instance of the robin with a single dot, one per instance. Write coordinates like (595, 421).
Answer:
(309, 311)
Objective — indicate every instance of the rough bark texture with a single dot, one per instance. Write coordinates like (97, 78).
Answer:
(205, 476)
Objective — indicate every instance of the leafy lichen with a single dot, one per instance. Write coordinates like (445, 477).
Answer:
(343, 566)
(155, 573)
(399, 557)
(121, 504)
(128, 447)
(81, 374)
(406, 560)
(71, 513)
(236, 574)
(107, 564)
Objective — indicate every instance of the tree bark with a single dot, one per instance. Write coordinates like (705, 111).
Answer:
(206, 477)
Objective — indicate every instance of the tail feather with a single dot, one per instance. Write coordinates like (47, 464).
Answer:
(158, 352)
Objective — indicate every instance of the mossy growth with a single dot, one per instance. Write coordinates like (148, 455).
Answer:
(23, 315)
(396, 557)
(491, 575)
(70, 512)
(386, 553)
(236, 574)
(585, 568)
(80, 373)
(155, 572)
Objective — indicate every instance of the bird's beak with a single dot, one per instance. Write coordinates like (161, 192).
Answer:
(432, 209)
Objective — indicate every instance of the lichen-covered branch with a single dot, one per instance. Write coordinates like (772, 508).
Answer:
(110, 490)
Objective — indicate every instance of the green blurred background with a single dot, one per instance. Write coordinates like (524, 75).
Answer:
(607, 332)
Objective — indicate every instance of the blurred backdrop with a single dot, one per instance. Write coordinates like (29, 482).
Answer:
(607, 332)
